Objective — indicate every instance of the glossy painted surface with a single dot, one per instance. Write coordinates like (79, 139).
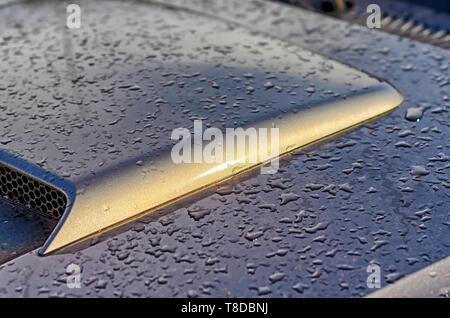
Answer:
(431, 282)
(378, 194)
(104, 124)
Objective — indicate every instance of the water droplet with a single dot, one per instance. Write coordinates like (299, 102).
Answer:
(414, 113)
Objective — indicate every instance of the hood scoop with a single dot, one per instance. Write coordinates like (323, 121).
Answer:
(23, 189)
(141, 186)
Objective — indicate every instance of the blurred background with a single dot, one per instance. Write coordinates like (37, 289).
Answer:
(421, 20)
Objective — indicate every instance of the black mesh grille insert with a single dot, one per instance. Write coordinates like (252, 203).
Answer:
(22, 189)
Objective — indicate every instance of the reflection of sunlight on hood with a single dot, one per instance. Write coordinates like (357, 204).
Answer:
(222, 167)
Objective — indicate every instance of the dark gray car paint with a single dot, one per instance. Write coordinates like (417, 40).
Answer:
(357, 199)
(110, 103)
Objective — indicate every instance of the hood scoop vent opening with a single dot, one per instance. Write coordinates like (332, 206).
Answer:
(22, 189)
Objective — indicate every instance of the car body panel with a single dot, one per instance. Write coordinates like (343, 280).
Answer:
(431, 282)
(105, 124)
(248, 238)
